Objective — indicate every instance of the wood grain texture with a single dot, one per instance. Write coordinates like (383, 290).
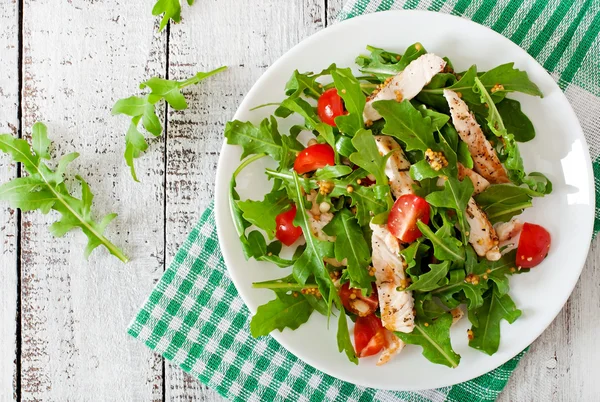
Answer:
(248, 38)
(9, 96)
(80, 57)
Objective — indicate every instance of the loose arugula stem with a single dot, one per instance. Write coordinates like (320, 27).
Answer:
(194, 79)
(111, 247)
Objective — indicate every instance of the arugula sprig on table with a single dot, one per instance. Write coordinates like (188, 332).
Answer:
(170, 10)
(44, 189)
(143, 109)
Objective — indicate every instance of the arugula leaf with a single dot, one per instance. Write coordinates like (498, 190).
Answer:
(285, 284)
(499, 271)
(351, 244)
(455, 195)
(171, 10)
(429, 281)
(486, 320)
(263, 213)
(445, 245)
(343, 337)
(348, 89)
(381, 63)
(286, 311)
(332, 172)
(263, 139)
(343, 146)
(306, 83)
(438, 120)
(144, 108)
(427, 309)
(537, 182)
(457, 285)
(515, 121)
(45, 189)
(501, 202)
(369, 157)
(511, 79)
(405, 123)
(300, 106)
(253, 244)
(435, 340)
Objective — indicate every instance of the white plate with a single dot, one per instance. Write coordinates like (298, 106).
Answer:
(559, 150)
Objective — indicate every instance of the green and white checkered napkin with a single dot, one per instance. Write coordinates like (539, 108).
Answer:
(195, 317)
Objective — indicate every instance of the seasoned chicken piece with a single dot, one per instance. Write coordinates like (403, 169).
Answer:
(482, 235)
(485, 159)
(479, 182)
(396, 167)
(509, 234)
(406, 84)
(457, 314)
(393, 347)
(317, 219)
(396, 306)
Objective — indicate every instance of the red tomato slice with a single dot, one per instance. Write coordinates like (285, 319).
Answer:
(329, 106)
(402, 221)
(354, 300)
(285, 231)
(313, 158)
(369, 336)
(534, 245)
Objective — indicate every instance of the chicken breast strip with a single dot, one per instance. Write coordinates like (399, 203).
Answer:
(393, 346)
(482, 235)
(479, 182)
(396, 306)
(509, 234)
(485, 159)
(406, 84)
(396, 167)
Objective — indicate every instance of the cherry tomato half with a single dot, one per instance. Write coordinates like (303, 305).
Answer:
(285, 231)
(314, 157)
(369, 336)
(354, 300)
(329, 106)
(534, 245)
(402, 221)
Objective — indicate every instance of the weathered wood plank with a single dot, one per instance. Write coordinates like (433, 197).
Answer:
(9, 96)
(80, 57)
(247, 38)
(562, 363)
(333, 9)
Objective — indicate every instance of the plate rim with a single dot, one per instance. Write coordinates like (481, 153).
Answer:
(222, 201)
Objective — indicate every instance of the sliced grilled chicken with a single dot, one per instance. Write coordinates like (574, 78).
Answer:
(479, 182)
(509, 234)
(457, 315)
(482, 235)
(485, 159)
(393, 347)
(396, 306)
(397, 166)
(406, 84)
(317, 219)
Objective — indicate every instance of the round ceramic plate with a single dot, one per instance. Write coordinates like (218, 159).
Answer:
(559, 150)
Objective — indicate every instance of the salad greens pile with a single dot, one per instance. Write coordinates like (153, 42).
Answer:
(444, 270)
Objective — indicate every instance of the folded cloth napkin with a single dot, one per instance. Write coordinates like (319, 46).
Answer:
(195, 317)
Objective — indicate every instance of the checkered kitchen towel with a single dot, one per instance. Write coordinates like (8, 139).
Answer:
(195, 317)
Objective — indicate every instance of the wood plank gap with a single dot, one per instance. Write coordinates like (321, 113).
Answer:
(18, 317)
(164, 363)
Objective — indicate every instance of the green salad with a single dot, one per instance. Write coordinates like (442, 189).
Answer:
(400, 204)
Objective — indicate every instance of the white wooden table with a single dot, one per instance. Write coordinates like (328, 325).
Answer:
(62, 318)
